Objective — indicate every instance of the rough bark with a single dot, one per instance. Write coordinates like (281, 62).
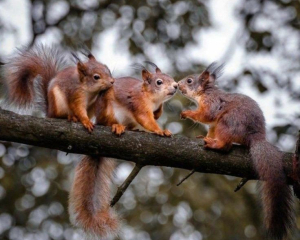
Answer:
(139, 147)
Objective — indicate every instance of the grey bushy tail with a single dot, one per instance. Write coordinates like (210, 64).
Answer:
(276, 193)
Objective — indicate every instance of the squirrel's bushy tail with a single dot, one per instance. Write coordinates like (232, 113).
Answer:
(39, 62)
(89, 202)
(276, 193)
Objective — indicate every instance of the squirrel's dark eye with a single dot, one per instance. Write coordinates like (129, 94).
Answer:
(96, 77)
(159, 82)
(189, 80)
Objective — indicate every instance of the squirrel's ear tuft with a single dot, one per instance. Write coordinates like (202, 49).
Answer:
(77, 59)
(86, 52)
(215, 70)
(91, 57)
(157, 69)
(146, 75)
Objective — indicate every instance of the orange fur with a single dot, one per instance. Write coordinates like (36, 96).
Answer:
(78, 109)
(138, 101)
(118, 129)
(90, 197)
(129, 104)
(21, 71)
(68, 93)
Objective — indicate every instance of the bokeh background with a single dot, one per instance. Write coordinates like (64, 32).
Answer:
(259, 40)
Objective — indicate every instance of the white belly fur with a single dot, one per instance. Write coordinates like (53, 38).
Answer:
(124, 116)
(60, 101)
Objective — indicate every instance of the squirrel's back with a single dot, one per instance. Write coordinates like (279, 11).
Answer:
(243, 115)
(118, 103)
(127, 85)
(127, 88)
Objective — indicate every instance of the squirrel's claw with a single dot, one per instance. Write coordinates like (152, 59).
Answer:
(159, 132)
(183, 115)
(167, 133)
(200, 136)
(88, 125)
(118, 129)
(209, 142)
(163, 133)
(72, 118)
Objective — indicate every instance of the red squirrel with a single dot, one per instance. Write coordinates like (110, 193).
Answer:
(131, 104)
(236, 118)
(69, 92)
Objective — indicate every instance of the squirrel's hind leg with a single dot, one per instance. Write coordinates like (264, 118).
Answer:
(217, 144)
(210, 133)
(220, 137)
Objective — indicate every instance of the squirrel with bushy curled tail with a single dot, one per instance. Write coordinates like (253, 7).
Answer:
(69, 92)
(236, 118)
(129, 104)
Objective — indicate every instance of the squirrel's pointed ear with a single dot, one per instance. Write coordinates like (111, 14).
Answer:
(81, 70)
(212, 72)
(206, 78)
(157, 70)
(146, 75)
(80, 67)
(91, 57)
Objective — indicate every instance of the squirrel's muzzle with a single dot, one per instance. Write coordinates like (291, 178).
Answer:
(182, 88)
(173, 89)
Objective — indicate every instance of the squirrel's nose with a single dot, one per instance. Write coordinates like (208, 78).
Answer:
(175, 85)
(112, 81)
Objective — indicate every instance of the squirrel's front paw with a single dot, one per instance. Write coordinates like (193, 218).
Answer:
(209, 142)
(72, 118)
(184, 114)
(118, 129)
(159, 132)
(88, 125)
(167, 133)
(200, 136)
(163, 133)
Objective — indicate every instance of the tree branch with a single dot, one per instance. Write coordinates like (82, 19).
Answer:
(139, 147)
(241, 184)
(186, 177)
(137, 168)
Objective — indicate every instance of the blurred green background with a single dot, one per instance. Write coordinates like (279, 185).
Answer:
(259, 40)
